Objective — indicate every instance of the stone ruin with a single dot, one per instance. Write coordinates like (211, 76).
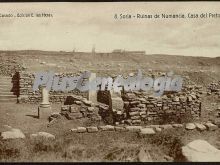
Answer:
(27, 95)
(214, 87)
(131, 108)
(78, 107)
(138, 108)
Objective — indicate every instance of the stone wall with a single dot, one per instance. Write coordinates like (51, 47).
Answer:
(80, 108)
(142, 108)
(150, 109)
(213, 87)
(133, 108)
(27, 95)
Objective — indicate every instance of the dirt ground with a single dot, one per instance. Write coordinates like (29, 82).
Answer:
(101, 146)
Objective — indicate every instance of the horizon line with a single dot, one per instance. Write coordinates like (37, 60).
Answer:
(105, 52)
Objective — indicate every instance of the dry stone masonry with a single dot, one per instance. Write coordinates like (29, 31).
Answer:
(78, 108)
(138, 108)
(27, 95)
(214, 87)
(131, 108)
(142, 109)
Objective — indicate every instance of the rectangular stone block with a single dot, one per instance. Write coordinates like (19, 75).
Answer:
(136, 122)
(44, 112)
(135, 109)
(134, 113)
(177, 125)
(92, 129)
(135, 117)
(150, 106)
(134, 102)
(106, 128)
(143, 113)
(81, 129)
(133, 128)
(120, 129)
(141, 105)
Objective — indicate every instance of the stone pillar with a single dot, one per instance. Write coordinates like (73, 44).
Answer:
(92, 95)
(44, 110)
(45, 98)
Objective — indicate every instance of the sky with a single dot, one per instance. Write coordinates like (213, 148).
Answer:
(80, 26)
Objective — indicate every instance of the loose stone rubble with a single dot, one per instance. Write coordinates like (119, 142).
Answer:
(80, 108)
(214, 87)
(9, 66)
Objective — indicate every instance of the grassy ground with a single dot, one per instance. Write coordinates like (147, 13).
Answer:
(102, 146)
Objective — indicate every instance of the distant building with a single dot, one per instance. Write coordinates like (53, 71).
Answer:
(118, 51)
(129, 52)
(136, 52)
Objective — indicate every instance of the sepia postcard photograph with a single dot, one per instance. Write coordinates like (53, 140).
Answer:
(110, 81)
